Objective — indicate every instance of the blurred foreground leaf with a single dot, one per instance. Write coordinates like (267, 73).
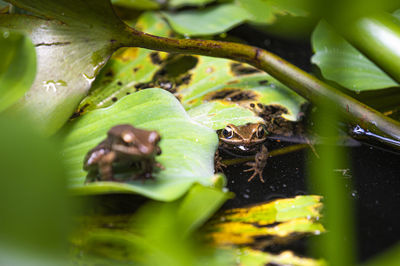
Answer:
(17, 66)
(33, 197)
(278, 222)
(187, 147)
(159, 233)
(344, 64)
(71, 49)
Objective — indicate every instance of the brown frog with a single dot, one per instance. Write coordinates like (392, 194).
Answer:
(124, 147)
(245, 139)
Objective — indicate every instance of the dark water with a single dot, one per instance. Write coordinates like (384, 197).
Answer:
(375, 173)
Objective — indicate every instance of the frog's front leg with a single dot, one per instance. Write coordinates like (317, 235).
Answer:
(105, 166)
(218, 165)
(259, 163)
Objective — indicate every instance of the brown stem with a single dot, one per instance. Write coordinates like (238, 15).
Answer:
(301, 82)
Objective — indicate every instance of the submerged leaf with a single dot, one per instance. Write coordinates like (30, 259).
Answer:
(187, 147)
(280, 220)
(71, 49)
(342, 63)
(17, 67)
(254, 258)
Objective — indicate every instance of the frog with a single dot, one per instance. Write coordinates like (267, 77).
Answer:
(124, 146)
(245, 139)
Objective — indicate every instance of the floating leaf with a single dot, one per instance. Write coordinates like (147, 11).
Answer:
(71, 48)
(128, 68)
(342, 63)
(187, 147)
(208, 21)
(282, 219)
(219, 79)
(258, 258)
(17, 66)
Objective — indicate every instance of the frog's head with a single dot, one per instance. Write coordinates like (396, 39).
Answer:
(245, 135)
(145, 141)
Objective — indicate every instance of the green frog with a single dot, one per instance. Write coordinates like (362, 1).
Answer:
(124, 146)
(245, 139)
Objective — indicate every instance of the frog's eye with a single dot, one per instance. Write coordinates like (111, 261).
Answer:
(227, 132)
(261, 131)
(128, 137)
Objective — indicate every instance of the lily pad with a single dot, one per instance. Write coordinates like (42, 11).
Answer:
(70, 48)
(17, 67)
(187, 147)
(342, 63)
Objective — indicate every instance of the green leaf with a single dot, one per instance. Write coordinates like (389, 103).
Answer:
(127, 68)
(342, 63)
(17, 66)
(138, 4)
(71, 49)
(187, 147)
(266, 11)
(180, 3)
(217, 115)
(208, 21)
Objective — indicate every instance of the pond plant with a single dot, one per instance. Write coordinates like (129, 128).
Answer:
(161, 81)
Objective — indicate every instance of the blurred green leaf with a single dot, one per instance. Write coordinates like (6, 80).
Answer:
(389, 257)
(280, 220)
(70, 48)
(35, 213)
(17, 67)
(342, 63)
(259, 258)
(137, 4)
(208, 21)
(187, 147)
(180, 3)
(159, 233)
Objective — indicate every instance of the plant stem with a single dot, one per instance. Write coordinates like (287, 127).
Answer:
(311, 88)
